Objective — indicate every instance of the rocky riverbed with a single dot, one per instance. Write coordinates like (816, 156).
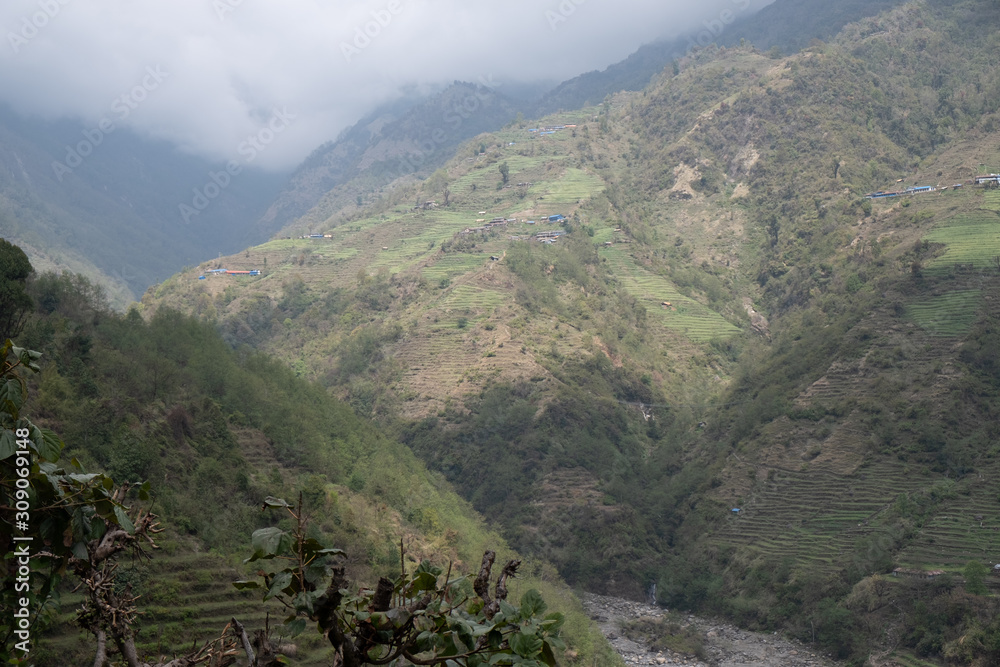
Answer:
(724, 645)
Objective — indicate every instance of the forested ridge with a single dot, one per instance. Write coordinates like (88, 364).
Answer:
(216, 433)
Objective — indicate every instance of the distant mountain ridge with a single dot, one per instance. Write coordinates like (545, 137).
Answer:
(789, 25)
(417, 135)
(107, 203)
(114, 215)
(400, 138)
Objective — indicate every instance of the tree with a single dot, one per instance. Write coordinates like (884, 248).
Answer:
(65, 520)
(417, 617)
(504, 172)
(975, 577)
(15, 304)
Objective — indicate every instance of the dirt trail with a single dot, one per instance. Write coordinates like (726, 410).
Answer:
(725, 645)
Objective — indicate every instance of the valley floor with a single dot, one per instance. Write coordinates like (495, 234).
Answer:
(724, 645)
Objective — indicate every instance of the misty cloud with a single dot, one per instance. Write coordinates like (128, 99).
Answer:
(228, 66)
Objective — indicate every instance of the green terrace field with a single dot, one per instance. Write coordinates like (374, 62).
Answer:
(472, 299)
(176, 590)
(412, 238)
(575, 186)
(951, 314)
(991, 200)
(684, 315)
(817, 516)
(451, 265)
(554, 187)
(971, 239)
(486, 175)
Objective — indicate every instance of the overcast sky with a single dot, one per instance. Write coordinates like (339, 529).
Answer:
(208, 74)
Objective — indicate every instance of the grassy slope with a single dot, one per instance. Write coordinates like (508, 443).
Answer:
(215, 432)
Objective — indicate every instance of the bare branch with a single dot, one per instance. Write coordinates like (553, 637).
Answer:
(509, 571)
(482, 585)
(241, 634)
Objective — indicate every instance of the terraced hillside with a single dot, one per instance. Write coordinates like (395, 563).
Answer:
(719, 320)
(972, 242)
(445, 263)
(817, 483)
(670, 309)
(815, 515)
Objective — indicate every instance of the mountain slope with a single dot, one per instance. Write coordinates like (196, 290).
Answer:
(115, 214)
(215, 431)
(726, 323)
(788, 25)
(408, 136)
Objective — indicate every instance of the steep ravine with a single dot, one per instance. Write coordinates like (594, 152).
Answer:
(725, 645)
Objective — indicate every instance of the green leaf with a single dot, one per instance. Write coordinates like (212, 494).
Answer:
(246, 585)
(526, 646)
(83, 479)
(312, 547)
(398, 616)
(144, 491)
(548, 657)
(271, 501)
(508, 610)
(501, 659)
(331, 552)
(269, 542)
(46, 443)
(80, 551)
(80, 523)
(553, 621)
(12, 396)
(282, 580)
(532, 604)
(315, 573)
(104, 507)
(8, 444)
(423, 581)
(123, 520)
(296, 627)
(430, 568)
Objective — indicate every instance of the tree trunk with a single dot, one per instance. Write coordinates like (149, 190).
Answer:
(102, 649)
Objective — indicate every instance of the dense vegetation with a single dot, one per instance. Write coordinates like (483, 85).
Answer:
(215, 431)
